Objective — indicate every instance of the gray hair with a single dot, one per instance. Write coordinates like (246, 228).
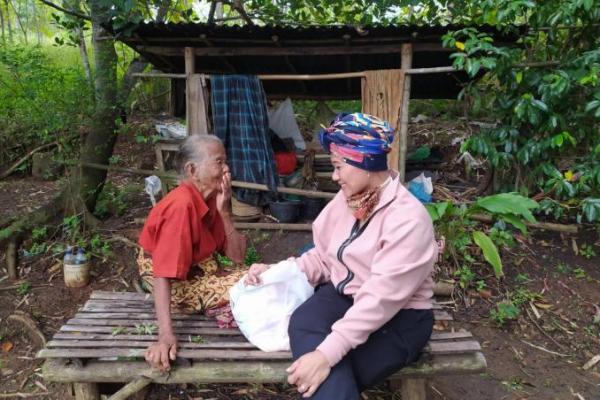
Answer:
(193, 149)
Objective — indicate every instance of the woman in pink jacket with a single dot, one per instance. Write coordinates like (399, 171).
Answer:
(372, 263)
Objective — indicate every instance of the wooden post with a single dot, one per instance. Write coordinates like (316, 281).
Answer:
(407, 53)
(86, 391)
(190, 69)
(197, 122)
(12, 258)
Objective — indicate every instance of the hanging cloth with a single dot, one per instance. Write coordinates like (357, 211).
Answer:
(240, 119)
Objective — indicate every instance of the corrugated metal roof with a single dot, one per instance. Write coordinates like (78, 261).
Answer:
(302, 50)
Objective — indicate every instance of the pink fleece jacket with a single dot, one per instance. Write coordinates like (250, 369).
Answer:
(387, 267)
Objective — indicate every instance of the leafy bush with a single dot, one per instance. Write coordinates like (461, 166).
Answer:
(40, 100)
(548, 116)
(457, 226)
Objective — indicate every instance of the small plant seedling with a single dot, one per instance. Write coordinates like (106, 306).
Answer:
(513, 384)
(145, 329)
(119, 330)
(504, 312)
(563, 268)
(465, 276)
(252, 256)
(587, 251)
(198, 339)
(224, 260)
(522, 278)
(579, 273)
(23, 288)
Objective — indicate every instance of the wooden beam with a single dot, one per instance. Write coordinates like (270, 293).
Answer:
(242, 371)
(222, 59)
(325, 51)
(190, 69)
(407, 55)
(197, 119)
(313, 77)
(246, 185)
(275, 40)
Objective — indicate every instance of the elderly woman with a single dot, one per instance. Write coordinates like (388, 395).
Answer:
(372, 263)
(181, 234)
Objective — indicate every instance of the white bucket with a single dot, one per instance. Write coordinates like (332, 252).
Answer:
(76, 275)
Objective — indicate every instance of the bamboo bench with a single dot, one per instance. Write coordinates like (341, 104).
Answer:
(107, 338)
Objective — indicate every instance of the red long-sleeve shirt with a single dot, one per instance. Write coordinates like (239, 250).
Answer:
(182, 230)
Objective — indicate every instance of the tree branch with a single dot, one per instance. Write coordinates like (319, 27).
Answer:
(70, 12)
(211, 13)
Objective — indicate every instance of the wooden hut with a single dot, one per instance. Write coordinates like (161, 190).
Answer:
(384, 66)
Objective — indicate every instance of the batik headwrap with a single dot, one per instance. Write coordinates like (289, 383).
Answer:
(361, 140)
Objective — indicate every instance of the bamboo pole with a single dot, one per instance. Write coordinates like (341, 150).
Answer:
(407, 55)
(240, 184)
(548, 226)
(346, 75)
(131, 388)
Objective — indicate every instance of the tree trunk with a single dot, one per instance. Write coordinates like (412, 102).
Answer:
(84, 57)
(99, 143)
(2, 23)
(8, 23)
(19, 21)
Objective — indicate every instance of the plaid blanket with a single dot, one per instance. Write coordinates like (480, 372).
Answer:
(240, 120)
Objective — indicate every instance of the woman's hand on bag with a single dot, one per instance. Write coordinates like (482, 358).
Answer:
(308, 372)
(253, 275)
(158, 354)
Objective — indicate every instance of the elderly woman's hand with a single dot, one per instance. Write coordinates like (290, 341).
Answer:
(308, 372)
(253, 275)
(224, 195)
(160, 353)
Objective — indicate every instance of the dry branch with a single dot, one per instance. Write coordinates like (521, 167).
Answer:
(11, 169)
(131, 388)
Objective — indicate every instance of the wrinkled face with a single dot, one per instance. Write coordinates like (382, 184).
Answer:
(209, 173)
(352, 180)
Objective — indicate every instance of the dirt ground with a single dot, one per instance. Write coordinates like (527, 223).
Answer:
(538, 356)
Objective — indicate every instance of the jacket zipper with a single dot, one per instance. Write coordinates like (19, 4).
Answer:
(356, 231)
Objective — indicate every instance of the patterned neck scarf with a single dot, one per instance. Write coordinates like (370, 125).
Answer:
(362, 204)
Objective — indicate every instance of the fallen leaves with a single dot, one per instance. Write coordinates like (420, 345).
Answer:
(6, 346)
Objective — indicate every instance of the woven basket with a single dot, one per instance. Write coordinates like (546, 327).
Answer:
(244, 210)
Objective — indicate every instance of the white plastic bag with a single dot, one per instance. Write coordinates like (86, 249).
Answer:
(283, 122)
(152, 186)
(263, 312)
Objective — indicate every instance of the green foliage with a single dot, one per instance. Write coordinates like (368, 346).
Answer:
(40, 100)
(546, 114)
(252, 256)
(459, 229)
(112, 200)
(145, 329)
(587, 251)
(23, 288)
(490, 252)
(118, 330)
(198, 339)
(503, 312)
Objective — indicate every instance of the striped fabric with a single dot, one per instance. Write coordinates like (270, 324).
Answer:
(240, 120)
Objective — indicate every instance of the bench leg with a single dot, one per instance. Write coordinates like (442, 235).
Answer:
(413, 389)
(86, 391)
